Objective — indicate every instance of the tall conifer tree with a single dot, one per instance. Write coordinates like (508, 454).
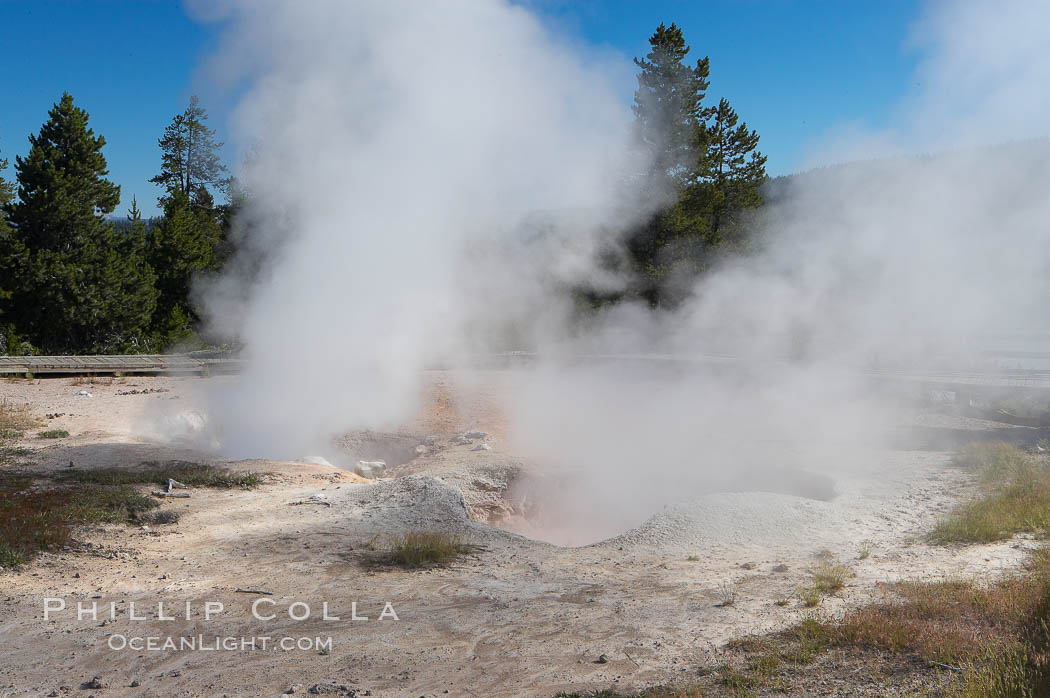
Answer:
(77, 290)
(705, 169)
(190, 237)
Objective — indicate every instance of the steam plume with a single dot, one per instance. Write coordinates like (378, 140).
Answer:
(400, 149)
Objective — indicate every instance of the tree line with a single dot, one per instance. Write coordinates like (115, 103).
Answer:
(71, 280)
(74, 281)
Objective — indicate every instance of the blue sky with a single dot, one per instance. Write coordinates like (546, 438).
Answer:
(792, 68)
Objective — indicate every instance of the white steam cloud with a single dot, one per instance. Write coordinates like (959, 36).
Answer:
(399, 151)
(396, 148)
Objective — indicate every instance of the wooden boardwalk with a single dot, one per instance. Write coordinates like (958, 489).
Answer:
(203, 363)
(970, 382)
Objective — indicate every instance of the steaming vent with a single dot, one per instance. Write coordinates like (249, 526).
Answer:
(392, 449)
(538, 506)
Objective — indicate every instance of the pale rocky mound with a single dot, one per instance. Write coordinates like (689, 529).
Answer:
(735, 518)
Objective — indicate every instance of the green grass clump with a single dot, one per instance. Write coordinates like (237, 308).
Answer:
(1015, 497)
(1007, 674)
(809, 596)
(33, 519)
(11, 557)
(53, 434)
(106, 504)
(422, 548)
(829, 578)
(192, 474)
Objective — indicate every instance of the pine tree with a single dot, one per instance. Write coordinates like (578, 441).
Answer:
(668, 105)
(734, 171)
(190, 156)
(7, 196)
(10, 257)
(190, 237)
(76, 289)
(703, 161)
(134, 235)
(669, 117)
(182, 245)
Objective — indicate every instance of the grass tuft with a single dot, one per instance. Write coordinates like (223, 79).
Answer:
(809, 596)
(15, 419)
(726, 594)
(167, 516)
(829, 578)
(53, 434)
(424, 548)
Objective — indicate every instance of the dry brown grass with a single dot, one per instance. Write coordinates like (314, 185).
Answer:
(91, 379)
(995, 636)
(993, 640)
(15, 419)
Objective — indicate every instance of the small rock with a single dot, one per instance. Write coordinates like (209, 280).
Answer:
(421, 450)
(602, 659)
(134, 684)
(370, 469)
(96, 682)
(482, 447)
(475, 434)
(294, 688)
(430, 440)
(461, 440)
(53, 693)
